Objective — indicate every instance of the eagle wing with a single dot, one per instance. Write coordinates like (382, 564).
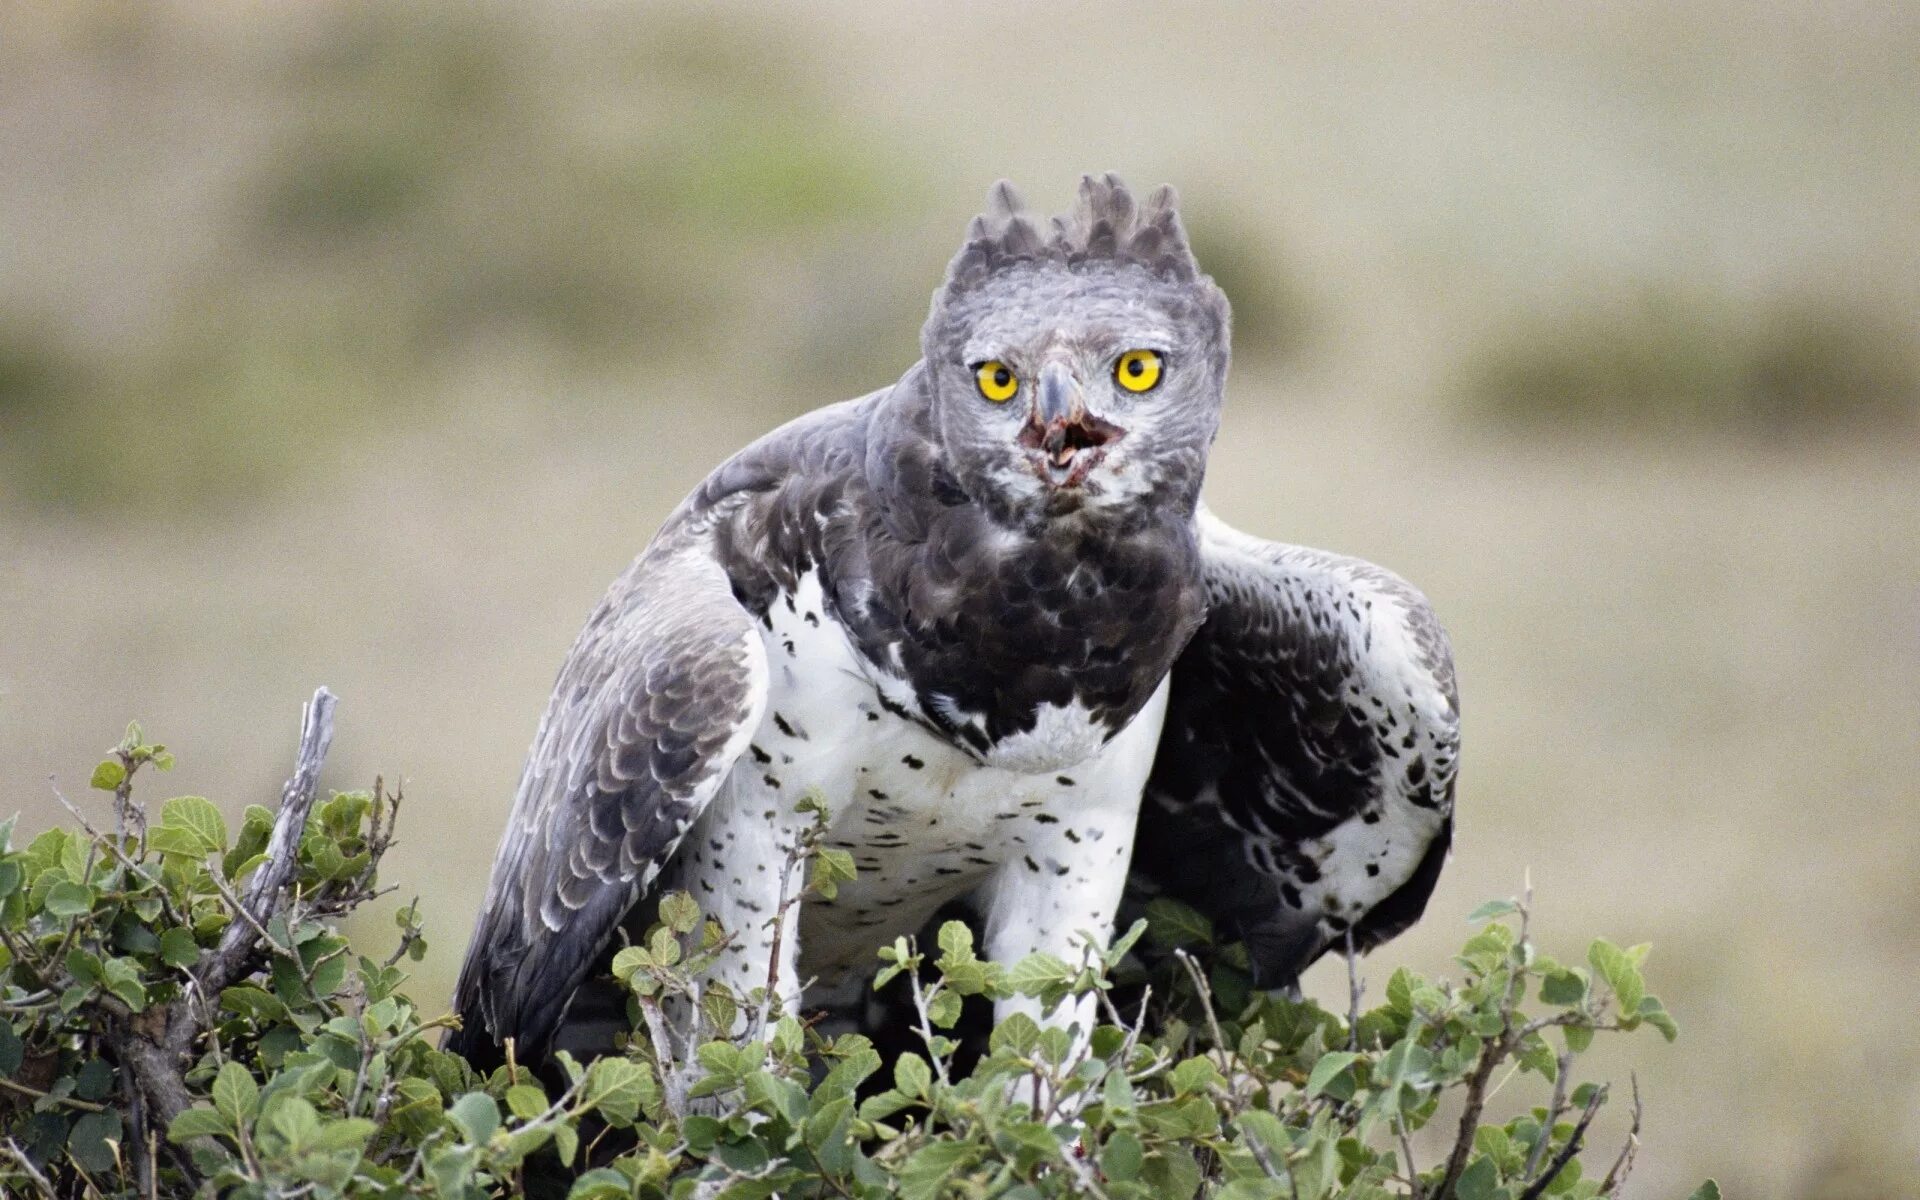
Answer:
(657, 699)
(1303, 789)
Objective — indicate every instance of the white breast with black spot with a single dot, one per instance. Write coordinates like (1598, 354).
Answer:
(924, 821)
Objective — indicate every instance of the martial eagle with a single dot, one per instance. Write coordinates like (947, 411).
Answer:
(984, 614)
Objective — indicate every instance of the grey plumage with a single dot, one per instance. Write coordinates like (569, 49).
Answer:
(950, 612)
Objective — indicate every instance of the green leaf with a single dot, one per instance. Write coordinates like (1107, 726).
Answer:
(1016, 1036)
(416, 1112)
(1655, 1014)
(881, 1105)
(122, 978)
(87, 1143)
(1122, 1157)
(294, 1119)
(254, 1003)
(925, 1175)
(1491, 909)
(199, 1121)
(679, 911)
(601, 1183)
(1171, 923)
(1400, 991)
(94, 1081)
(1618, 968)
(1038, 974)
(1194, 1075)
(629, 960)
(526, 1101)
(197, 816)
(177, 948)
(1564, 987)
(1329, 1066)
(235, 1094)
(343, 1133)
(1706, 1191)
(1171, 1174)
(109, 775)
(1480, 1181)
(956, 943)
(618, 1089)
(566, 1143)
(831, 868)
(1118, 949)
(912, 1075)
(477, 1116)
(68, 899)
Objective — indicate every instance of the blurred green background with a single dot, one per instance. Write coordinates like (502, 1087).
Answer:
(363, 345)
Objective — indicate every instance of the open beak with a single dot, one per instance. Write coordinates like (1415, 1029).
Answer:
(1066, 438)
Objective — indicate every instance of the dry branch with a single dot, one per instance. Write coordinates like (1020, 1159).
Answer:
(158, 1064)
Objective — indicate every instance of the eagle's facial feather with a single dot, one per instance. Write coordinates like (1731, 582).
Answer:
(1054, 431)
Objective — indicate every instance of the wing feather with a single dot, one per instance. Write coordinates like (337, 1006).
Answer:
(1304, 781)
(657, 699)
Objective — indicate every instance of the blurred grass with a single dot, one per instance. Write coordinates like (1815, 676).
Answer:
(363, 345)
(1656, 360)
(433, 197)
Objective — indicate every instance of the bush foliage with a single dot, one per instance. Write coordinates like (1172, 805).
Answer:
(144, 1055)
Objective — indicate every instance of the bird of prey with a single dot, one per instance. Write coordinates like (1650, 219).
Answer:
(983, 613)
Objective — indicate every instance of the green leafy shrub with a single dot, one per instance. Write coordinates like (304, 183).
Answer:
(182, 1016)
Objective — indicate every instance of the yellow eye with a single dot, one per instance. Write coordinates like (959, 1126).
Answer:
(996, 380)
(1138, 370)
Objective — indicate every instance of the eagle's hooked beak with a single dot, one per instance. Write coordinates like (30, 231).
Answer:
(1068, 438)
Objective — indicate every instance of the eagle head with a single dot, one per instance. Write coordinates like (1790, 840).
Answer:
(1078, 369)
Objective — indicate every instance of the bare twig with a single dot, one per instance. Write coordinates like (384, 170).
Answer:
(241, 912)
(19, 1156)
(672, 1078)
(1355, 989)
(140, 1140)
(21, 1089)
(1081, 1173)
(1492, 1052)
(157, 1065)
(1623, 1166)
(1406, 1155)
(296, 801)
(1539, 1186)
(1555, 1107)
(796, 854)
(926, 1024)
(1206, 998)
(411, 933)
(119, 852)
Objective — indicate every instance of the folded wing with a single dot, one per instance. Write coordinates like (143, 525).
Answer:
(658, 697)
(1303, 791)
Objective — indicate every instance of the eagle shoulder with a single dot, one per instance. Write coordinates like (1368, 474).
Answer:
(1304, 784)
